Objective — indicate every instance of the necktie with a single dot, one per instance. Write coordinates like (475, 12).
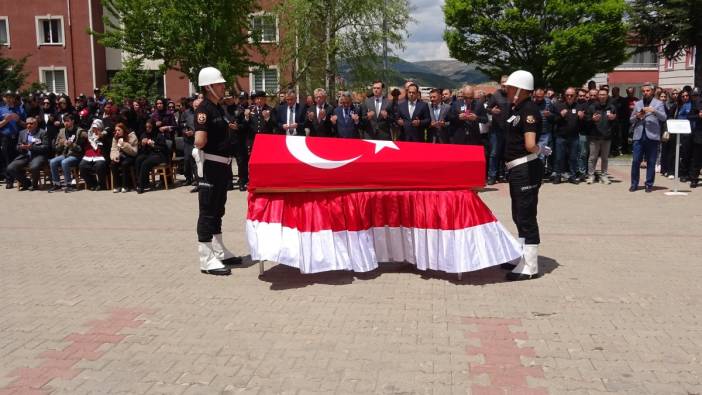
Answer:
(377, 107)
(291, 115)
(411, 109)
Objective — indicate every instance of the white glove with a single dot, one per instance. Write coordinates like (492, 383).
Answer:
(199, 157)
(545, 150)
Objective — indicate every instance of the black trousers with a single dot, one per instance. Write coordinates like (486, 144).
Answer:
(188, 162)
(7, 154)
(524, 185)
(90, 169)
(144, 164)
(212, 197)
(695, 160)
(685, 155)
(121, 171)
(243, 152)
(15, 170)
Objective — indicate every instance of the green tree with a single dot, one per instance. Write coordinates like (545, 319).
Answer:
(562, 42)
(12, 74)
(325, 35)
(133, 82)
(186, 35)
(675, 25)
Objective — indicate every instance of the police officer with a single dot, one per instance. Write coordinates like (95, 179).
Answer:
(214, 146)
(242, 151)
(523, 127)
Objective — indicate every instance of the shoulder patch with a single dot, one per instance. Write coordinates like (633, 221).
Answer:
(201, 118)
(530, 119)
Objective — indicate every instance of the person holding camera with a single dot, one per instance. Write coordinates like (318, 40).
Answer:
(68, 150)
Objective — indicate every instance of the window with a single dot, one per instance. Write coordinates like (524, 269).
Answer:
(668, 64)
(54, 78)
(640, 60)
(264, 79)
(690, 58)
(264, 28)
(50, 30)
(4, 31)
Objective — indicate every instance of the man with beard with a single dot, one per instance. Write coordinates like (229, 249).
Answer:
(646, 117)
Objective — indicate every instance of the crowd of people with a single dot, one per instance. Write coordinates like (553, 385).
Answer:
(94, 137)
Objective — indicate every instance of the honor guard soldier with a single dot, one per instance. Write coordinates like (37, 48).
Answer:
(525, 169)
(214, 146)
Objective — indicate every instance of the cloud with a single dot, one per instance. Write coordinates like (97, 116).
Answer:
(425, 41)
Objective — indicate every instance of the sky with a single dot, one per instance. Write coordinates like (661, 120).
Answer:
(425, 40)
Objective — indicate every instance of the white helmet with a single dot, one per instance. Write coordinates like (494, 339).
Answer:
(209, 76)
(521, 79)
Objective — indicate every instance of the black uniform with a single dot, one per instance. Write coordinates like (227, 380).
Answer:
(525, 179)
(212, 187)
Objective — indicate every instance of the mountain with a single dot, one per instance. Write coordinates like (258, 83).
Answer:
(433, 73)
(454, 70)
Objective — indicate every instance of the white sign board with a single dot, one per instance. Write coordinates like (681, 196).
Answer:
(678, 126)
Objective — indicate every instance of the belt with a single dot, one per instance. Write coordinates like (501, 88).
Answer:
(217, 158)
(521, 161)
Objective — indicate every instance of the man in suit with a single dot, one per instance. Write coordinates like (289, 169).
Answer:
(291, 115)
(466, 116)
(345, 118)
(647, 116)
(33, 147)
(413, 115)
(376, 115)
(318, 122)
(439, 114)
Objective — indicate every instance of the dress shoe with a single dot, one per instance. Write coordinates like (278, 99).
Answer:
(491, 181)
(693, 184)
(8, 186)
(32, 188)
(574, 181)
(224, 271)
(55, 188)
(649, 189)
(194, 190)
(632, 188)
(684, 179)
(140, 190)
(556, 179)
(243, 188)
(521, 276)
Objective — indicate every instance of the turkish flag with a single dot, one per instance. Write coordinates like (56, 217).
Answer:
(295, 163)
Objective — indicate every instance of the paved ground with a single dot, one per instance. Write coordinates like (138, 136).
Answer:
(101, 293)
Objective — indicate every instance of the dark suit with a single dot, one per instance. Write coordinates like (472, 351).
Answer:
(440, 134)
(421, 113)
(257, 124)
(467, 132)
(299, 119)
(377, 128)
(320, 127)
(345, 126)
(36, 156)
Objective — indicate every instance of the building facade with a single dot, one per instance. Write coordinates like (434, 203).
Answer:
(61, 54)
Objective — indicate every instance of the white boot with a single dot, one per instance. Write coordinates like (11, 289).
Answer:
(222, 253)
(209, 262)
(528, 268)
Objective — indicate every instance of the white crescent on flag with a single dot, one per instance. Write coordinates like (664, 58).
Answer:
(297, 145)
